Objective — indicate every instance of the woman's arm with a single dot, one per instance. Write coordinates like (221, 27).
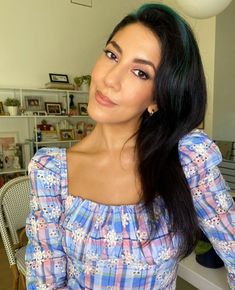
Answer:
(214, 205)
(45, 258)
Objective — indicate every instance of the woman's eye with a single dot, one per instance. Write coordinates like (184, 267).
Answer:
(141, 74)
(110, 54)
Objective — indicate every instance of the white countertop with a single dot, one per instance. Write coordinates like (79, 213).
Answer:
(201, 277)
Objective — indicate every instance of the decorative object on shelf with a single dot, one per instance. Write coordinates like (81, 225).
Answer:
(83, 82)
(8, 139)
(38, 135)
(60, 86)
(50, 135)
(82, 109)
(80, 130)
(87, 3)
(1, 109)
(33, 103)
(1, 162)
(64, 124)
(71, 102)
(16, 162)
(203, 8)
(89, 128)
(8, 157)
(64, 105)
(53, 108)
(58, 78)
(66, 134)
(12, 106)
(40, 113)
(72, 107)
(44, 126)
(59, 81)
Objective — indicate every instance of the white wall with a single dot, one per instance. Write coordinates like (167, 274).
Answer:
(224, 100)
(43, 36)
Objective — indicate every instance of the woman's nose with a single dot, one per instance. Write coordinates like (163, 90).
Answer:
(113, 77)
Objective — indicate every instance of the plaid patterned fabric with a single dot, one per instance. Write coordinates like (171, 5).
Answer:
(76, 243)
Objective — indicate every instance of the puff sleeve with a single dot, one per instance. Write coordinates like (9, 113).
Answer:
(214, 205)
(45, 258)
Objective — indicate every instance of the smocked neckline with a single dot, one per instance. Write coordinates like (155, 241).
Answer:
(105, 205)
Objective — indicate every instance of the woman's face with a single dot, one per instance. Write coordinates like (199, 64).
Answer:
(123, 77)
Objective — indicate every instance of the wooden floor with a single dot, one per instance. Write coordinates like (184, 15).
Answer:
(6, 276)
(5, 272)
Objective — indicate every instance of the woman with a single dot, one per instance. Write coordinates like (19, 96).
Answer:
(122, 207)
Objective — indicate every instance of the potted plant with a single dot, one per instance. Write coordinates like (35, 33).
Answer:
(12, 105)
(83, 82)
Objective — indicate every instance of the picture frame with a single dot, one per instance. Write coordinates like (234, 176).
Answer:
(87, 3)
(82, 109)
(59, 78)
(67, 134)
(33, 103)
(53, 108)
(8, 140)
(39, 113)
(1, 109)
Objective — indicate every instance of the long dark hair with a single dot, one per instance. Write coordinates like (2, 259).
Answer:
(180, 95)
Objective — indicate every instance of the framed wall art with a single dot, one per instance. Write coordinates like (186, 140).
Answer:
(58, 78)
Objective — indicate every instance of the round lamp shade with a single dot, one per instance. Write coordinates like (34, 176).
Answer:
(203, 8)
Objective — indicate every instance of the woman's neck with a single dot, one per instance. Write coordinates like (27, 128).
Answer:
(113, 137)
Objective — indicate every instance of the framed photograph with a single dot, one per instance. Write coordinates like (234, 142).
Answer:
(87, 3)
(33, 103)
(1, 109)
(53, 108)
(66, 134)
(40, 113)
(8, 140)
(58, 78)
(82, 109)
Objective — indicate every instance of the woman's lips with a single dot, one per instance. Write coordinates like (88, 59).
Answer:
(103, 100)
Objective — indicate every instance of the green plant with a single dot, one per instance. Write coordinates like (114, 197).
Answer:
(12, 102)
(86, 79)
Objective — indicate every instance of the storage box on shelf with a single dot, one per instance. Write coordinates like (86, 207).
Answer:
(46, 117)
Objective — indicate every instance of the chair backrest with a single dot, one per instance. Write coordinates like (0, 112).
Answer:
(14, 208)
(227, 169)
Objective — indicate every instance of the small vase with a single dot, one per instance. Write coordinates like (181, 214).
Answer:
(13, 110)
(84, 87)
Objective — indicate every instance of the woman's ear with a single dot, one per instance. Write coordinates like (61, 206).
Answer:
(152, 109)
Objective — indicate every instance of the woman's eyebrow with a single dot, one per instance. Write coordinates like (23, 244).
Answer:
(144, 61)
(118, 48)
(136, 60)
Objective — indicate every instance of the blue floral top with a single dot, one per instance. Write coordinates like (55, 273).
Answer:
(76, 243)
